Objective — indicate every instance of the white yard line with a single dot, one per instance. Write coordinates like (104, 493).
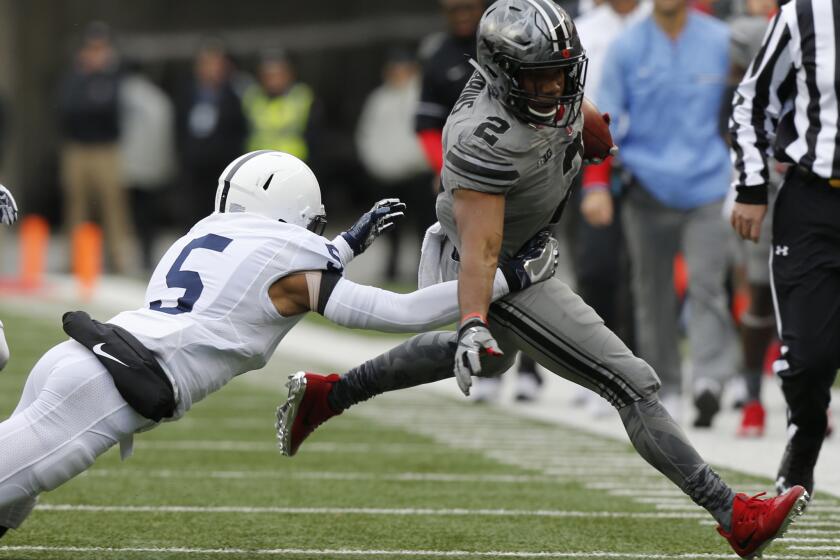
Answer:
(319, 475)
(403, 552)
(267, 446)
(374, 511)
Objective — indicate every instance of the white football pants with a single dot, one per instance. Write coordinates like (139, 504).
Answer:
(69, 414)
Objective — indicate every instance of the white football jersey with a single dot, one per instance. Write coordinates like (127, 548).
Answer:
(208, 316)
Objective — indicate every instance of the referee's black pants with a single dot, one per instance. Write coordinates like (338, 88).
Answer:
(805, 264)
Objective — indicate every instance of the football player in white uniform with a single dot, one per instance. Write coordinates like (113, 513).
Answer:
(218, 303)
(8, 216)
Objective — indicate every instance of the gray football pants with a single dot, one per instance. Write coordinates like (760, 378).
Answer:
(70, 412)
(553, 325)
(655, 233)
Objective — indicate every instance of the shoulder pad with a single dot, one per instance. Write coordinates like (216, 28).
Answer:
(479, 159)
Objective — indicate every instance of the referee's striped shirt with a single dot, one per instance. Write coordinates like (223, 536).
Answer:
(787, 101)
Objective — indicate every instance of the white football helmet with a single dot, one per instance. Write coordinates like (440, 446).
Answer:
(274, 184)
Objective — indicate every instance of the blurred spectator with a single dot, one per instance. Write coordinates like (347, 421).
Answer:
(446, 69)
(601, 261)
(210, 132)
(664, 80)
(90, 158)
(390, 151)
(758, 322)
(148, 154)
(584, 7)
(281, 111)
(600, 243)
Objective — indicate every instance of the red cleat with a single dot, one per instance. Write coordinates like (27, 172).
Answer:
(756, 522)
(305, 409)
(752, 420)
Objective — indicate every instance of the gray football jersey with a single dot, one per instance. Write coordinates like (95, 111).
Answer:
(488, 149)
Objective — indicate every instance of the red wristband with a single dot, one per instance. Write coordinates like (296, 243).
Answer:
(474, 315)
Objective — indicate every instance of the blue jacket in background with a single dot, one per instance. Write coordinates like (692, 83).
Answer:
(665, 99)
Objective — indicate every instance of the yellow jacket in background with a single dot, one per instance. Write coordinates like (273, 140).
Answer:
(279, 123)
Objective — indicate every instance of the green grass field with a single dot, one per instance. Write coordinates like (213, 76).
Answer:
(404, 476)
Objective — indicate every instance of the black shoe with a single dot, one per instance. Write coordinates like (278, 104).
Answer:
(798, 467)
(3, 531)
(708, 405)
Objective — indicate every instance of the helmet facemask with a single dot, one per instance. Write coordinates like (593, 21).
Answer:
(518, 37)
(546, 110)
(318, 223)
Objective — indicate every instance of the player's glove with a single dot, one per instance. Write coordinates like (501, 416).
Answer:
(474, 339)
(8, 208)
(372, 224)
(536, 261)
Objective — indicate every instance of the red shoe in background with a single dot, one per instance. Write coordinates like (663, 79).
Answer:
(305, 409)
(756, 522)
(752, 420)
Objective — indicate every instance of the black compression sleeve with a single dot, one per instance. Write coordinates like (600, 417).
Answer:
(329, 279)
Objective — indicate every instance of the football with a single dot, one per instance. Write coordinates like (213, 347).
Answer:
(597, 140)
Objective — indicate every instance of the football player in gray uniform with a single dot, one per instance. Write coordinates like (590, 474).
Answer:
(512, 147)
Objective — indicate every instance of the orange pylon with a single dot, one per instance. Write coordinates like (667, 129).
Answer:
(87, 257)
(34, 238)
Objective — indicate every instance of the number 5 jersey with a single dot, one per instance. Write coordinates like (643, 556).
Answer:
(207, 315)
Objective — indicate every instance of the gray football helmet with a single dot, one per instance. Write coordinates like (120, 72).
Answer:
(518, 36)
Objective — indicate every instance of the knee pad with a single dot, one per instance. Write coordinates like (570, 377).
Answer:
(643, 379)
(61, 466)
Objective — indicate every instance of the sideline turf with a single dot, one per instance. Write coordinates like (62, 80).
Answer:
(376, 443)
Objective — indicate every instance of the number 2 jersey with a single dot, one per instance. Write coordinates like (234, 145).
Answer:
(207, 315)
(488, 149)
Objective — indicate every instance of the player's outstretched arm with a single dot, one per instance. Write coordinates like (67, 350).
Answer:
(354, 305)
(369, 226)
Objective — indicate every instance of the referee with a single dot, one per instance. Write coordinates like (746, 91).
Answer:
(787, 102)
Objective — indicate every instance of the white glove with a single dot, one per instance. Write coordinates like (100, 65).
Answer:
(8, 208)
(473, 338)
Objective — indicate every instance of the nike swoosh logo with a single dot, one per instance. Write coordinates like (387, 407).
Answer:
(100, 352)
(746, 542)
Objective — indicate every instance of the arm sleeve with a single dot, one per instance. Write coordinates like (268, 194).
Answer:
(365, 307)
(597, 176)
(756, 109)
(431, 141)
(472, 164)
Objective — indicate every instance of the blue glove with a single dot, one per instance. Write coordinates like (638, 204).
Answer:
(536, 261)
(372, 224)
(8, 208)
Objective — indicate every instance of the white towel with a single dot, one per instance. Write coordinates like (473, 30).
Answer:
(431, 252)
